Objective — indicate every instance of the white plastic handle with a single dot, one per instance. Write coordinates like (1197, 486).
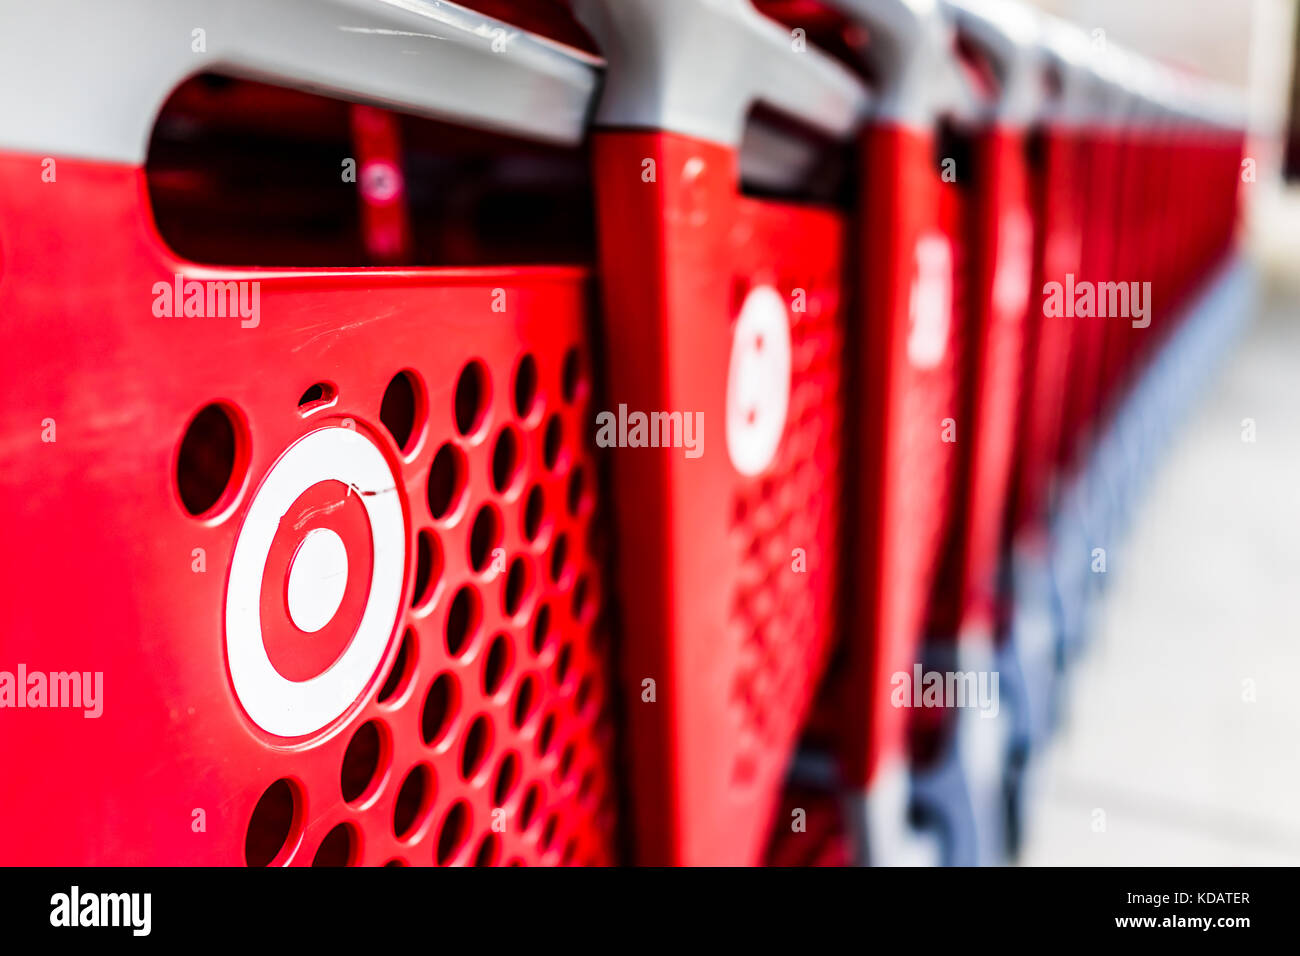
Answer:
(87, 77)
(697, 66)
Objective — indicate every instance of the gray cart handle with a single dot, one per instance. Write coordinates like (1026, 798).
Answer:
(911, 50)
(87, 77)
(697, 66)
(1006, 33)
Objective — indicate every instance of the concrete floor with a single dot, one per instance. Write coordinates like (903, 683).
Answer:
(1202, 613)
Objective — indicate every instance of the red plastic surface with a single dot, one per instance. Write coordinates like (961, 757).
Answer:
(381, 185)
(103, 572)
(726, 590)
(1056, 190)
(1000, 234)
(905, 474)
(1097, 264)
(1144, 181)
(809, 830)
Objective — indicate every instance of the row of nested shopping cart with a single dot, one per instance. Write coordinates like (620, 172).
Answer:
(596, 473)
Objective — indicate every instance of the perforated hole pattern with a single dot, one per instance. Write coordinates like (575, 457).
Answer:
(493, 727)
(782, 614)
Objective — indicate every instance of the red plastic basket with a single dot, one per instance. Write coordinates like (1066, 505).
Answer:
(1100, 157)
(1001, 236)
(1055, 187)
(725, 307)
(912, 265)
(914, 316)
(334, 557)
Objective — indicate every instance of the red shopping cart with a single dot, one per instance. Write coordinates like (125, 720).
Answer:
(1001, 237)
(960, 756)
(1100, 157)
(905, 358)
(1056, 186)
(303, 571)
(725, 310)
(1029, 631)
(1133, 274)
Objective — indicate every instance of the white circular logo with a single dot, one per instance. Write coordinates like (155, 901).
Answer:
(758, 381)
(930, 308)
(317, 576)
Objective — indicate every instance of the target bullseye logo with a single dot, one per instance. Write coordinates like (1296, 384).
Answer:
(758, 381)
(315, 582)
